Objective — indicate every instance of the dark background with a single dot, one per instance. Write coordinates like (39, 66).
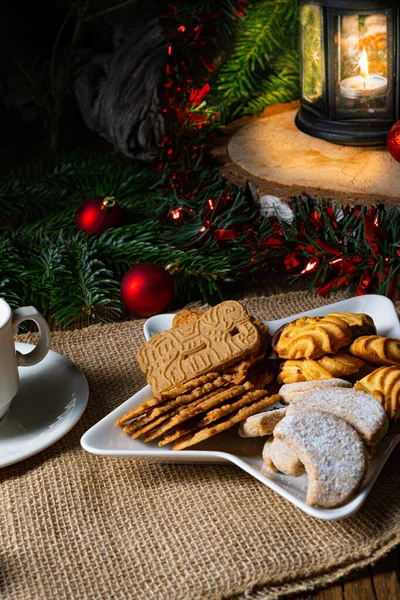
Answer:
(27, 34)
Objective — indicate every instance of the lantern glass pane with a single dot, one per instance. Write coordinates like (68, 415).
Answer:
(312, 55)
(361, 64)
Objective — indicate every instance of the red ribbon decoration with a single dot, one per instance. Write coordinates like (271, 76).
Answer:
(291, 262)
(223, 235)
(197, 96)
(335, 283)
(328, 249)
(373, 232)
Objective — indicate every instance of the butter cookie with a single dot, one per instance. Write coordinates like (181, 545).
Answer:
(360, 323)
(377, 350)
(313, 337)
(335, 365)
(384, 385)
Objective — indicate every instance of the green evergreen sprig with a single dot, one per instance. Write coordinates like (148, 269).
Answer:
(44, 261)
(68, 274)
(263, 67)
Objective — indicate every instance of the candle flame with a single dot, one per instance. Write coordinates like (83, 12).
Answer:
(364, 64)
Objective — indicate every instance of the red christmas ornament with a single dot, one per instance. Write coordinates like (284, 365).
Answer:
(393, 141)
(97, 214)
(147, 289)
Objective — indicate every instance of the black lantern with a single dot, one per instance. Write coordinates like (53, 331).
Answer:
(349, 70)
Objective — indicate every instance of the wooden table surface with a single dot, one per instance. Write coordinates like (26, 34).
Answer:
(378, 582)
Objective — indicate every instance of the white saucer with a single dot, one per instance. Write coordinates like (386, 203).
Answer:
(52, 397)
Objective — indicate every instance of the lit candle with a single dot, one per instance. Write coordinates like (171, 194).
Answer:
(364, 84)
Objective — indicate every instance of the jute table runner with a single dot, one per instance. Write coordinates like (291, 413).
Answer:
(80, 526)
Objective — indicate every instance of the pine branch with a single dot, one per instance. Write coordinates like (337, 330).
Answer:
(11, 270)
(40, 191)
(282, 86)
(263, 33)
(84, 286)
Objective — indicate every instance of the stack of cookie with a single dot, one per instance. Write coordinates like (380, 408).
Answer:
(211, 369)
(314, 348)
(207, 373)
(336, 346)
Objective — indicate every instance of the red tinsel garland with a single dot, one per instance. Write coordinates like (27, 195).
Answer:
(340, 270)
(191, 124)
(187, 141)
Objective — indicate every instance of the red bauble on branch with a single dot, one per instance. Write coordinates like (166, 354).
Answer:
(97, 214)
(393, 141)
(147, 289)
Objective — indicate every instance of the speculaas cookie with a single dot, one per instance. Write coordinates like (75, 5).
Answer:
(220, 337)
(186, 316)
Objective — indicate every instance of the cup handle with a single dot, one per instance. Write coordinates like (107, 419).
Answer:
(29, 313)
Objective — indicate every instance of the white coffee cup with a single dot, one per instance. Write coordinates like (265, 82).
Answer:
(10, 359)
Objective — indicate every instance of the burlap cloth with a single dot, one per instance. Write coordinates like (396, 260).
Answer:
(80, 526)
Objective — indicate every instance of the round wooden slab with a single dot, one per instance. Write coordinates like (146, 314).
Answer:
(273, 150)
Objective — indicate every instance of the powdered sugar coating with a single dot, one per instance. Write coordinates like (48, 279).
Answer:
(285, 460)
(290, 391)
(266, 454)
(262, 423)
(359, 409)
(331, 451)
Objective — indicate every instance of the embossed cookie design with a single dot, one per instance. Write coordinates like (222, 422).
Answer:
(218, 338)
